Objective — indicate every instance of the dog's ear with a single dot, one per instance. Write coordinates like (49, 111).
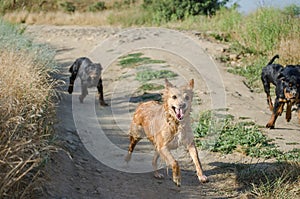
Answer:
(191, 84)
(168, 84)
(281, 77)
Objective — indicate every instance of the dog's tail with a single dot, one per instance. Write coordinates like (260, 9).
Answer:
(73, 70)
(273, 59)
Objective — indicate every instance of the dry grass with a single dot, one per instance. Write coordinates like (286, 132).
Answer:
(60, 18)
(25, 122)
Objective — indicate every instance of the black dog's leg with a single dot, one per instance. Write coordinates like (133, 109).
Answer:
(266, 84)
(100, 91)
(288, 115)
(84, 91)
(276, 112)
(298, 112)
(73, 70)
(71, 84)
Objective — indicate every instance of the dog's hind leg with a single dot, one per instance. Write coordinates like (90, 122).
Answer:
(100, 91)
(266, 84)
(133, 142)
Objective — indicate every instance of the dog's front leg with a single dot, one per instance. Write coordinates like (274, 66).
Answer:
(166, 154)
(194, 154)
(84, 91)
(276, 112)
(288, 115)
(100, 91)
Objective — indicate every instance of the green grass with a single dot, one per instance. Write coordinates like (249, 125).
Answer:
(150, 74)
(151, 87)
(237, 136)
(136, 59)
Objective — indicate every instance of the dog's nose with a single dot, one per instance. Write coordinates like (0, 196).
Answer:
(183, 106)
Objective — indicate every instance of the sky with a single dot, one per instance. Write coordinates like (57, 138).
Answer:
(247, 6)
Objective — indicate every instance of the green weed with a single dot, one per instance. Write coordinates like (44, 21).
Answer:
(136, 59)
(149, 74)
(150, 87)
(240, 136)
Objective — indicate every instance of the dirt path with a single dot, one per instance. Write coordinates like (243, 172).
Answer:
(75, 173)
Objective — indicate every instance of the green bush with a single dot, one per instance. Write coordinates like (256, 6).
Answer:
(168, 10)
(68, 6)
(99, 6)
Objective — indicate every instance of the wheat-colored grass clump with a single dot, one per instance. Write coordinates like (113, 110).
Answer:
(25, 122)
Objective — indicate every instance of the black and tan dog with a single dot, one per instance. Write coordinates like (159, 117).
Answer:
(270, 75)
(90, 76)
(287, 91)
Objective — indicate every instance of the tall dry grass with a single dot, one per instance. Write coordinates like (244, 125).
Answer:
(25, 122)
(27, 112)
(60, 18)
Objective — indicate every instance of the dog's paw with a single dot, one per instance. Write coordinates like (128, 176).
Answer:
(158, 175)
(102, 103)
(270, 126)
(70, 89)
(81, 99)
(128, 157)
(176, 180)
(203, 179)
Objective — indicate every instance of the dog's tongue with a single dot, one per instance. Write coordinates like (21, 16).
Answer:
(179, 113)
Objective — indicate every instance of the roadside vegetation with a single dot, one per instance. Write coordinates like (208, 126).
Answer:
(27, 111)
(27, 89)
(253, 38)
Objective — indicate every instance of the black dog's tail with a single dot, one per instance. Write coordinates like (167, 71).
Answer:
(273, 59)
(73, 70)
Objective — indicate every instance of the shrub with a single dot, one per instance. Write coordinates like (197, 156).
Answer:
(167, 10)
(26, 96)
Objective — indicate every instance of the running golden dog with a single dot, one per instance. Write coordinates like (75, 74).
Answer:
(167, 126)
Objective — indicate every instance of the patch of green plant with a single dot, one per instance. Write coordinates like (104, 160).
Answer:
(252, 72)
(150, 87)
(149, 74)
(168, 10)
(13, 39)
(68, 6)
(98, 6)
(231, 136)
(135, 59)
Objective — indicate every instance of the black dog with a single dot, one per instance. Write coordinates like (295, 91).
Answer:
(269, 75)
(287, 91)
(90, 76)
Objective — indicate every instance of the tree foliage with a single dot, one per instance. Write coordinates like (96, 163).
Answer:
(167, 10)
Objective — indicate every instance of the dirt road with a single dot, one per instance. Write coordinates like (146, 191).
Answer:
(76, 172)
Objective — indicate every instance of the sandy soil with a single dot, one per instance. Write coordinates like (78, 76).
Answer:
(75, 171)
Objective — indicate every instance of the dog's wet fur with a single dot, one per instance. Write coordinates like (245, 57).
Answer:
(167, 126)
(287, 92)
(270, 75)
(90, 76)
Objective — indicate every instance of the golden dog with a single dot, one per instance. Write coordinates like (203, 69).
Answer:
(167, 126)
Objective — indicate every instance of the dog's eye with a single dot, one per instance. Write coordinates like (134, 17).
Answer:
(187, 97)
(174, 97)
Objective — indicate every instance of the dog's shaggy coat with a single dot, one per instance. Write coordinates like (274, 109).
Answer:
(90, 76)
(167, 126)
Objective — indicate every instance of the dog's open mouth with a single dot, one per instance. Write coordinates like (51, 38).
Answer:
(178, 112)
